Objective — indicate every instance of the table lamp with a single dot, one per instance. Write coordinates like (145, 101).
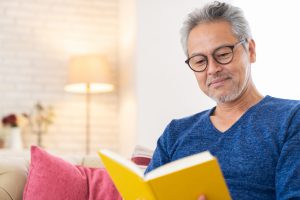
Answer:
(89, 74)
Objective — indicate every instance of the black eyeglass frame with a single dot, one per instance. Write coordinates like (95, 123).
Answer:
(213, 55)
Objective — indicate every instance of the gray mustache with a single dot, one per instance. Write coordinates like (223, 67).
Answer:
(219, 76)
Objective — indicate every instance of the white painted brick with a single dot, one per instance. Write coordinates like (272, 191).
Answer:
(4, 4)
(37, 39)
(19, 13)
(15, 62)
(29, 23)
(34, 7)
(64, 10)
(5, 21)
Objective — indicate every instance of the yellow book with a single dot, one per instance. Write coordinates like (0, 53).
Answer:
(183, 179)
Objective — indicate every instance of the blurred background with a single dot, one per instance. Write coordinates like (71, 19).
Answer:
(144, 63)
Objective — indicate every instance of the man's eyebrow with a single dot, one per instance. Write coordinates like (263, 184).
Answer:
(223, 45)
(197, 54)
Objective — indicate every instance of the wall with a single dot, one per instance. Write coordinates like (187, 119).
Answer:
(275, 30)
(127, 67)
(36, 39)
(167, 89)
(153, 83)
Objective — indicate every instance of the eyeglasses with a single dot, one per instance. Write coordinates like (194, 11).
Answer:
(222, 55)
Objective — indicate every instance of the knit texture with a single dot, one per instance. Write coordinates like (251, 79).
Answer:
(259, 155)
(52, 178)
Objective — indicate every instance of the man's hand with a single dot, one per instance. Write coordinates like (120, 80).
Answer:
(202, 197)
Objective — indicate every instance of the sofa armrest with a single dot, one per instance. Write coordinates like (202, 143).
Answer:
(13, 175)
(4, 195)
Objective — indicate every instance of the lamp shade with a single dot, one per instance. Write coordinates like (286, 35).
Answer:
(89, 74)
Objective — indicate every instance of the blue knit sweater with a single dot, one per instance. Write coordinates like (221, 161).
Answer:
(259, 155)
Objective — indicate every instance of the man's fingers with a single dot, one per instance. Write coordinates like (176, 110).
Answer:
(202, 197)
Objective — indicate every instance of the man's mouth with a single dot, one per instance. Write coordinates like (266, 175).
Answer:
(218, 82)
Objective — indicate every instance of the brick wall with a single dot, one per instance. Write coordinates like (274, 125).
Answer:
(37, 37)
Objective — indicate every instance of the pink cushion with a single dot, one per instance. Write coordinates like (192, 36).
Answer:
(51, 178)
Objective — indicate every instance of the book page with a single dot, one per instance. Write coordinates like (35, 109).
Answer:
(179, 164)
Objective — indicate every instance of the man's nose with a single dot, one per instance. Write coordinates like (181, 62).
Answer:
(213, 67)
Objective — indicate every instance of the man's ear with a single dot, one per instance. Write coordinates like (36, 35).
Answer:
(252, 51)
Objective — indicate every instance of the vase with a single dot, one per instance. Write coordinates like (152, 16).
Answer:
(14, 139)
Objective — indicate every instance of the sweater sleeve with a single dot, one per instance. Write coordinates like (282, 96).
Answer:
(160, 155)
(288, 166)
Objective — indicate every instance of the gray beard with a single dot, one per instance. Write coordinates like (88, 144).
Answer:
(234, 94)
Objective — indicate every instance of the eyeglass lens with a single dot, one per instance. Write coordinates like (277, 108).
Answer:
(222, 55)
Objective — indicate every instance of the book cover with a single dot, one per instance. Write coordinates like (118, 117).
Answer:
(186, 178)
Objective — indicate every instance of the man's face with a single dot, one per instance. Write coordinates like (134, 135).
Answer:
(223, 83)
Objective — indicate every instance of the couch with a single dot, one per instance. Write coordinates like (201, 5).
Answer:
(15, 165)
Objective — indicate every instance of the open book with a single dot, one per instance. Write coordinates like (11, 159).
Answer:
(183, 179)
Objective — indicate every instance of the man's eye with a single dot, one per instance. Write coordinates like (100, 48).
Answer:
(201, 62)
(224, 54)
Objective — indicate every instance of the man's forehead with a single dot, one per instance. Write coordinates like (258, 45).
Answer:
(208, 36)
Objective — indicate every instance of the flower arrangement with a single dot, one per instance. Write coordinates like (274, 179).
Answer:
(37, 121)
(9, 120)
(10, 133)
(13, 120)
(40, 119)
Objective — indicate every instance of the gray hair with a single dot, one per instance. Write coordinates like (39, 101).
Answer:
(214, 12)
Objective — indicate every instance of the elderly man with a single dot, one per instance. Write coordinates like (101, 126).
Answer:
(256, 138)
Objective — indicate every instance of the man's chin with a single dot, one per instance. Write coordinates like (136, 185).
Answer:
(223, 98)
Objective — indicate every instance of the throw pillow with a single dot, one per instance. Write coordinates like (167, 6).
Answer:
(51, 177)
